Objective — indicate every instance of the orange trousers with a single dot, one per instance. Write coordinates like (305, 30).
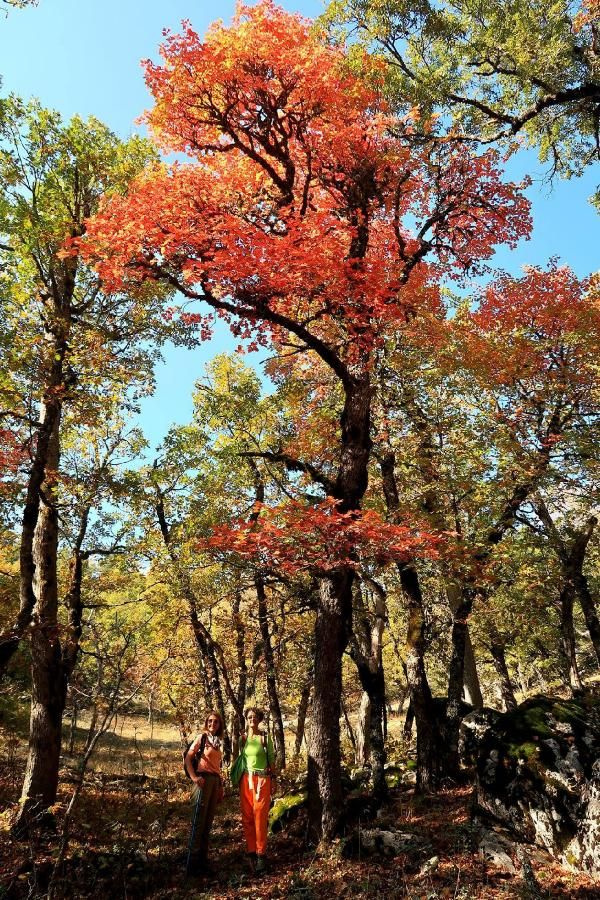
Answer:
(255, 803)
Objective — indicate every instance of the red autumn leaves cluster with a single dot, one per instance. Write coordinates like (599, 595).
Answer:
(12, 455)
(294, 538)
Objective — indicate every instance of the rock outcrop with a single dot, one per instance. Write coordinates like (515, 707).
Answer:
(538, 772)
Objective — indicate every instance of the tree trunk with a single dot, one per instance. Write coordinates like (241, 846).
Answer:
(451, 761)
(506, 689)
(302, 711)
(272, 691)
(567, 631)
(10, 638)
(204, 642)
(349, 728)
(366, 651)
(332, 624)
(242, 669)
(590, 613)
(471, 686)
(421, 701)
(363, 731)
(48, 689)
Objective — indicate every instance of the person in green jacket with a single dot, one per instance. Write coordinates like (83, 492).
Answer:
(256, 786)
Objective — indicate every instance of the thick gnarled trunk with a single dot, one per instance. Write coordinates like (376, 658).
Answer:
(325, 800)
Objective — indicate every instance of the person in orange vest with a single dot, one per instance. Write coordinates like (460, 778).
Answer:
(203, 762)
(256, 786)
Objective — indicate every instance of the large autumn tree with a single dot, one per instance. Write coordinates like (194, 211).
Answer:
(305, 218)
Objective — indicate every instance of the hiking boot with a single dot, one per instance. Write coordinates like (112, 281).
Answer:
(251, 857)
(261, 865)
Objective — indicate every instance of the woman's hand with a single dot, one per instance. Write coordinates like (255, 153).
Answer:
(199, 780)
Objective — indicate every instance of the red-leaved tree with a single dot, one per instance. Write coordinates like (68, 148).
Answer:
(306, 216)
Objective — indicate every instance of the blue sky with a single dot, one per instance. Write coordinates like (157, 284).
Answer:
(83, 56)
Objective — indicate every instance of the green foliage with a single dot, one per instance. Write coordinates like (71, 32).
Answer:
(488, 71)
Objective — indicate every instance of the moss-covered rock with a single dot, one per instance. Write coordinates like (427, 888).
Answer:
(538, 771)
(285, 809)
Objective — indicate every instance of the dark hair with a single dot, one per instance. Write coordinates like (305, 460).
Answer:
(214, 712)
(257, 712)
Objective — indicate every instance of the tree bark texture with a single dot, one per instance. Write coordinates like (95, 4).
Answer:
(506, 689)
(567, 633)
(421, 701)
(303, 711)
(455, 685)
(325, 800)
(48, 689)
(271, 678)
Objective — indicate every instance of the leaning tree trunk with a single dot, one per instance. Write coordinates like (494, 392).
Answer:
(271, 677)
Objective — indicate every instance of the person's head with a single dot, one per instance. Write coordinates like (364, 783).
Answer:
(254, 717)
(213, 723)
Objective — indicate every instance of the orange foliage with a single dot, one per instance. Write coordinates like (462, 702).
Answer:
(295, 537)
(294, 212)
(544, 326)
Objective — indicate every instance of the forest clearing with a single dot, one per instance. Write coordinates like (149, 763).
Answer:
(299, 449)
(133, 828)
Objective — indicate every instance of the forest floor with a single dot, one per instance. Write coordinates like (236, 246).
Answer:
(132, 823)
